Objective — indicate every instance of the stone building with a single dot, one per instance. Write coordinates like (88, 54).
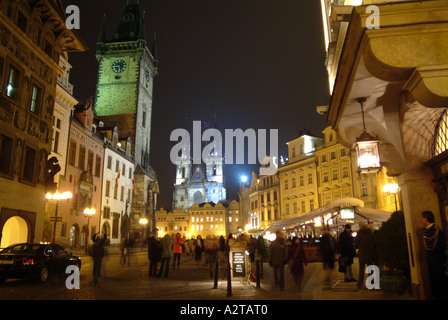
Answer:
(33, 36)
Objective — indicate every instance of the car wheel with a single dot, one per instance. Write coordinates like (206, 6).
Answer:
(43, 274)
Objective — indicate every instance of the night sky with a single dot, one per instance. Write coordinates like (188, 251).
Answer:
(259, 64)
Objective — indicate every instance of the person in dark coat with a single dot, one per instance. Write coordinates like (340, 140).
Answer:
(365, 244)
(346, 244)
(154, 253)
(327, 247)
(278, 256)
(298, 257)
(99, 239)
(434, 242)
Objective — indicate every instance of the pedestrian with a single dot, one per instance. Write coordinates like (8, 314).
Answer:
(346, 243)
(198, 249)
(222, 247)
(187, 247)
(154, 253)
(228, 243)
(98, 239)
(124, 250)
(434, 242)
(261, 253)
(167, 252)
(278, 257)
(327, 247)
(365, 244)
(177, 250)
(296, 262)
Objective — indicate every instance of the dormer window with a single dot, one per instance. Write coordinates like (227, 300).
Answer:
(128, 17)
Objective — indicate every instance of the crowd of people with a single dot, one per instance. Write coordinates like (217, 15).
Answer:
(291, 252)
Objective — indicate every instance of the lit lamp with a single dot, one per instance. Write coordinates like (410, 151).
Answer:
(57, 197)
(143, 222)
(392, 188)
(88, 212)
(367, 148)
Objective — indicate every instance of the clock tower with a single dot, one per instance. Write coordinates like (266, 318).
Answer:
(124, 91)
(124, 88)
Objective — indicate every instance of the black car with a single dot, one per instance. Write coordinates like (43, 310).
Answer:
(34, 260)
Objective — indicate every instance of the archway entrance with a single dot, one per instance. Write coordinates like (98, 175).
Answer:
(15, 230)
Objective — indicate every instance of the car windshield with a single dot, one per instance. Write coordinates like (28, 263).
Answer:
(22, 248)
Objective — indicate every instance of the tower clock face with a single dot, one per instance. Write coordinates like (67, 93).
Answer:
(119, 66)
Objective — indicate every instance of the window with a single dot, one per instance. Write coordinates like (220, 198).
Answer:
(324, 158)
(301, 183)
(36, 94)
(90, 161)
(343, 152)
(72, 153)
(123, 170)
(302, 204)
(82, 157)
(115, 192)
(144, 119)
(28, 166)
(310, 178)
(97, 166)
(345, 172)
(57, 133)
(333, 155)
(311, 204)
(293, 152)
(107, 191)
(286, 185)
(12, 86)
(117, 166)
(364, 189)
(109, 162)
(5, 154)
(293, 182)
(275, 195)
(106, 213)
(301, 149)
(122, 194)
(335, 174)
(287, 208)
(325, 176)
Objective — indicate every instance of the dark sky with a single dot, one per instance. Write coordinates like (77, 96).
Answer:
(259, 64)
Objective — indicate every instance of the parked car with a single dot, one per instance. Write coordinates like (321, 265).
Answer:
(34, 260)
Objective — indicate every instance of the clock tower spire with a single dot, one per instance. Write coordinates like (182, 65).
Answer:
(124, 88)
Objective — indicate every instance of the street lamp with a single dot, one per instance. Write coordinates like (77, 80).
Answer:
(143, 222)
(367, 148)
(392, 188)
(57, 197)
(88, 212)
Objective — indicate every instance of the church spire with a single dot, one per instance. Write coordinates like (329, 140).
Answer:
(131, 26)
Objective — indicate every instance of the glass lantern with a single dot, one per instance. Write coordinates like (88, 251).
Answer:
(367, 153)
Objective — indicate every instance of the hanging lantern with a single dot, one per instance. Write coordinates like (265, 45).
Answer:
(367, 149)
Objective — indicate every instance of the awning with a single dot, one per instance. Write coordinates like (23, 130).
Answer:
(334, 208)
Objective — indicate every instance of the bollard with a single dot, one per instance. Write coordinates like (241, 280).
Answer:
(257, 272)
(215, 286)
(229, 281)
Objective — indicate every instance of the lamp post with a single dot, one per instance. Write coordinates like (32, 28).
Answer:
(88, 212)
(57, 197)
(143, 222)
(392, 188)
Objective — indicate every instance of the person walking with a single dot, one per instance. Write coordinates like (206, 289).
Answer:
(434, 242)
(346, 243)
(327, 249)
(99, 239)
(177, 250)
(278, 256)
(198, 249)
(297, 260)
(167, 252)
(222, 247)
(365, 244)
(154, 253)
(124, 251)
